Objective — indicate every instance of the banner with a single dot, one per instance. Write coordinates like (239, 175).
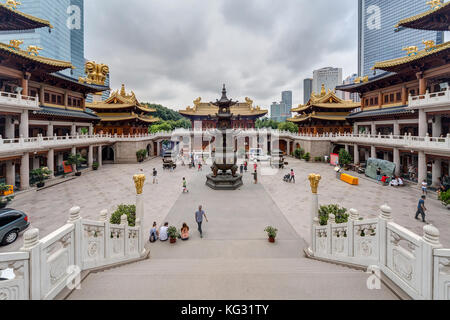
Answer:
(67, 167)
(334, 159)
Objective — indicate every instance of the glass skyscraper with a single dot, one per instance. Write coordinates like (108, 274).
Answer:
(65, 41)
(377, 39)
(307, 89)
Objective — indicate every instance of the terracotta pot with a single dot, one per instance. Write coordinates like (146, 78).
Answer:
(173, 240)
(271, 240)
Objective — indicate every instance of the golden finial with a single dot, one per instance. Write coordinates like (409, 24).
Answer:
(139, 180)
(12, 4)
(197, 101)
(365, 79)
(15, 44)
(435, 4)
(411, 50)
(323, 91)
(314, 180)
(249, 101)
(33, 50)
(123, 93)
(358, 80)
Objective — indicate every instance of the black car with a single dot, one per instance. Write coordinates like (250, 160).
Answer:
(12, 222)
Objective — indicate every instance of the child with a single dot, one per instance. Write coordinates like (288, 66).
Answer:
(292, 176)
(185, 186)
(424, 187)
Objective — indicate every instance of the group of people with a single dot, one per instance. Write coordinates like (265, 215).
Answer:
(163, 233)
(394, 181)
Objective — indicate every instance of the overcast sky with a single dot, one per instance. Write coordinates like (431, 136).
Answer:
(173, 51)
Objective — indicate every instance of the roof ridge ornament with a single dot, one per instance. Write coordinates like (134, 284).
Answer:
(435, 4)
(12, 4)
(411, 50)
(34, 50)
(15, 44)
(430, 45)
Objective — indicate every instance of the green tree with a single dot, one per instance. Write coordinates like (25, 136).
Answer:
(288, 126)
(344, 158)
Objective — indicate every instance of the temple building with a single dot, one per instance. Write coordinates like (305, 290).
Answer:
(202, 114)
(324, 113)
(122, 114)
(411, 99)
(37, 101)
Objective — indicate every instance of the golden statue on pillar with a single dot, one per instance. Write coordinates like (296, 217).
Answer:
(314, 180)
(139, 180)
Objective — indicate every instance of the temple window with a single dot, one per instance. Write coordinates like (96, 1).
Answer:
(391, 97)
(398, 96)
(386, 99)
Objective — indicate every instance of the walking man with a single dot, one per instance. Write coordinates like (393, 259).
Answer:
(421, 209)
(199, 219)
(255, 176)
(155, 176)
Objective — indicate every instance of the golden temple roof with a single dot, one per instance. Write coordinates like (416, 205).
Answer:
(108, 110)
(326, 101)
(391, 65)
(244, 109)
(20, 20)
(434, 19)
(55, 64)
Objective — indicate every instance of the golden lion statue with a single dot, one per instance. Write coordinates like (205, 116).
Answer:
(96, 73)
(197, 101)
(435, 4)
(411, 51)
(34, 50)
(15, 44)
(429, 45)
(249, 101)
(12, 4)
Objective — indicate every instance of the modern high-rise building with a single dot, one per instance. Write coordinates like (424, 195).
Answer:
(65, 41)
(307, 89)
(286, 98)
(280, 111)
(351, 95)
(378, 41)
(329, 77)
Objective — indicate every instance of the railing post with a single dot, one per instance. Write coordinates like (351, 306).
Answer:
(383, 220)
(124, 222)
(104, 218)
(354, 216)
(31, 245)
(331, 221)
(75, 219)
(430, 241)
(1, 139)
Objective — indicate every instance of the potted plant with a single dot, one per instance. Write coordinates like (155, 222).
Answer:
(75, 161)
(307, 157)
(271, 233)
(4, 200)
(95, 166)
(141, 154)
(345, 158)
(444, 197)
(341, 215)
(173, 234)
(40, 175)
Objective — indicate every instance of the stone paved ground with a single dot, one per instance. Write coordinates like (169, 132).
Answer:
(112, 185)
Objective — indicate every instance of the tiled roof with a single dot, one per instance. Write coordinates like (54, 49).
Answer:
(380, 112)
(434, 19)
(16, 20)
(51, 111)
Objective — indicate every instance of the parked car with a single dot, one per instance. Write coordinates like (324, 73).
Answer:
(12, 222)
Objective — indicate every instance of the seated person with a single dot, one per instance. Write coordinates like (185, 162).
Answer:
(154, 233)
(184, 232)
(394, 182)
(401, 183)
(163, 235)
(384, 179)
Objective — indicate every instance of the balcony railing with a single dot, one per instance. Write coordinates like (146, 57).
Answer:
(18, 100)
(427, 100)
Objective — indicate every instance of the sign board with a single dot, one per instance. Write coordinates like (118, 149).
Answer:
(334, 159)
(67, 167)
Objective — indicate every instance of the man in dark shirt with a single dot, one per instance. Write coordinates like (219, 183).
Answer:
(199, 219)
(421, 209)
(155, 176)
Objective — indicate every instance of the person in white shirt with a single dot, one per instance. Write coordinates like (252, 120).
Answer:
(394, 182)
(400, 182)
(424, 187)
(163, 236)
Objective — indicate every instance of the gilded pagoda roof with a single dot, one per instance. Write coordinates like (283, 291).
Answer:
(110, 109)
(327, 116)
(53, 64)
(326, 100)
(436, 19)
(395, 65)
(243, 109)
(13, 19)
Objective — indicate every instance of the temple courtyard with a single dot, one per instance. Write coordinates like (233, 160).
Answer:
(234, 259)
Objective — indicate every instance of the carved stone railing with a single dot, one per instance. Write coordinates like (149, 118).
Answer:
(45, 267)
(428, 100)
(18, 100)
(415, 264)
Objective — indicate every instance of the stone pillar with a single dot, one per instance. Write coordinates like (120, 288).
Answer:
(346, 147)
(356, 154)
(25, 172)
(91, 130)
(50, 130)
(23, 127)
(36, 163)
(384, 218)
(422, 167)
(366, 154)
(73, 130)
(396, 128)
(9, 127)
(397, 161)
(355, 129)
(423, 123)
(314, 180)
(139, 181)
(386, 156)
(10, 173)
(60, 159)
(437, 126)
(51, 162)
(158, 148)
(373, 152)
(91, 156)
(31, 245)
(99, 156)
(373, 129)
(437, 172)
(74, 150)
(430, 242)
